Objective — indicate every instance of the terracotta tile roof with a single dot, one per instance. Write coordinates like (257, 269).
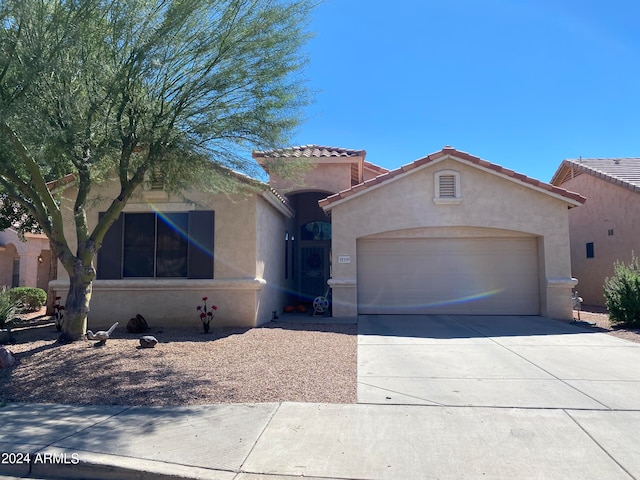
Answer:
(309, 151)
(620, 171)
(61, 182)
(375, 168)
(450, 151)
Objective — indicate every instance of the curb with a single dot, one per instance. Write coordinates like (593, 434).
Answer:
(99, 466)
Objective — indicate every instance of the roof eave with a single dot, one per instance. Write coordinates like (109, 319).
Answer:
(572, 198)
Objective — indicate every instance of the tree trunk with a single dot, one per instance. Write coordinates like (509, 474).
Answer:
(53, 274)
(76, 307)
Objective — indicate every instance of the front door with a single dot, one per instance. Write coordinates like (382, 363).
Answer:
(314, 269)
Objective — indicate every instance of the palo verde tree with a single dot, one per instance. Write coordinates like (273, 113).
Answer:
(98, 91)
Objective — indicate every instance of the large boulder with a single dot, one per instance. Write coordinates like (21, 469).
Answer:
(7, 360)
(137, 324)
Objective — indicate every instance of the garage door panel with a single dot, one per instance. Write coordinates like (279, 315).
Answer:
(470, 275)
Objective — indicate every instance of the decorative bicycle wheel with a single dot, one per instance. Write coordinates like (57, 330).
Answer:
(320, 304)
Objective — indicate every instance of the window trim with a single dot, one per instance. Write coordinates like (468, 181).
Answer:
(438, 198)
(201, 235)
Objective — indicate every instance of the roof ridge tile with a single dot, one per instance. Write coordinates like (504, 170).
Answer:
(448, 150)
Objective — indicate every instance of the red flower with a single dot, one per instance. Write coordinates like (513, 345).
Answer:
(204, 299)
(210, 314)
(58, 298)
(213, 307)
(203, 315)
(199, 308)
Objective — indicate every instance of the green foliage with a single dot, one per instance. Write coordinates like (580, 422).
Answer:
(622, 293)
(30, 298)
(125, 90)
(8, 307)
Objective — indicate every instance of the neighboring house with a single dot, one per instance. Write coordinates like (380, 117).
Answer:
(607, 227)
(24, 263)
(449, 233)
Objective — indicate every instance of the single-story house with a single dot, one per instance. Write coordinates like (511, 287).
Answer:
(24, 262)
(607, 227)
(447, 234)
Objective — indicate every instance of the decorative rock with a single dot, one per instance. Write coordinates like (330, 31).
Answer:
(148, 341)
(5, 336)
(7, 360)
(137, 324)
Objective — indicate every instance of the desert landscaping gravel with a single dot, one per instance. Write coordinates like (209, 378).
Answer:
(277, 362)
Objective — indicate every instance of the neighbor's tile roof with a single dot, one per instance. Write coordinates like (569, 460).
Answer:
(620, 171)
(309, 151)
(446, 151)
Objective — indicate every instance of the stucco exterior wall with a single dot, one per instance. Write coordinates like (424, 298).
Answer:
(608, 207)
(33, 273)
(7, 257)
(238, 273)
(324, 175)
(270, 226)
(489, 202)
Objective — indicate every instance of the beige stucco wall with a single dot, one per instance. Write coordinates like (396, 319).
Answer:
(489, 201)
(242, 222)
(326, 175)
(33, 273)
(7, 256)
(608, 206)
(271, 226)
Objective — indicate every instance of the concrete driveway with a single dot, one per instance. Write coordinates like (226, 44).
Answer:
(494, 361)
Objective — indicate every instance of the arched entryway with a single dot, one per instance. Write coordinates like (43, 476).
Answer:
(311, 246)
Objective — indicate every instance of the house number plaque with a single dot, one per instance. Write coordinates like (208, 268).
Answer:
(344, 258)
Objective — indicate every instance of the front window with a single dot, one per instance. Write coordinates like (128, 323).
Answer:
(317, 230)
(160, 245)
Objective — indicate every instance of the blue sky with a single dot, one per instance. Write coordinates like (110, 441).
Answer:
(521, 83)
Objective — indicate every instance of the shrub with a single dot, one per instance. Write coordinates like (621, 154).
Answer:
(7, 307)
(622, 293)
(31, 298)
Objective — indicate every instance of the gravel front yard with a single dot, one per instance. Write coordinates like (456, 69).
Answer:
(278, 362)
(598, 319)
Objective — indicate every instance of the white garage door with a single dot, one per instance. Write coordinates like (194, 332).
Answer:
(448, 275)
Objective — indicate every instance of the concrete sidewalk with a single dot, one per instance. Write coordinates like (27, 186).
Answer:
(278, 441)
(441, 397)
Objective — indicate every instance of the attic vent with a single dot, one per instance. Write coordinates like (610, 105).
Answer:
(447, 186)
(157, 180)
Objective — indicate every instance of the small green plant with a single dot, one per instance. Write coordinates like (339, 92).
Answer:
(30, 298)
(622, 293)
(7, 307)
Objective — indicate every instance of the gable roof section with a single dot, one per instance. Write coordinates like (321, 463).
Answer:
(275, 198)
(375, 168)
(309, 151)
(619, 171)
(451, 152)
